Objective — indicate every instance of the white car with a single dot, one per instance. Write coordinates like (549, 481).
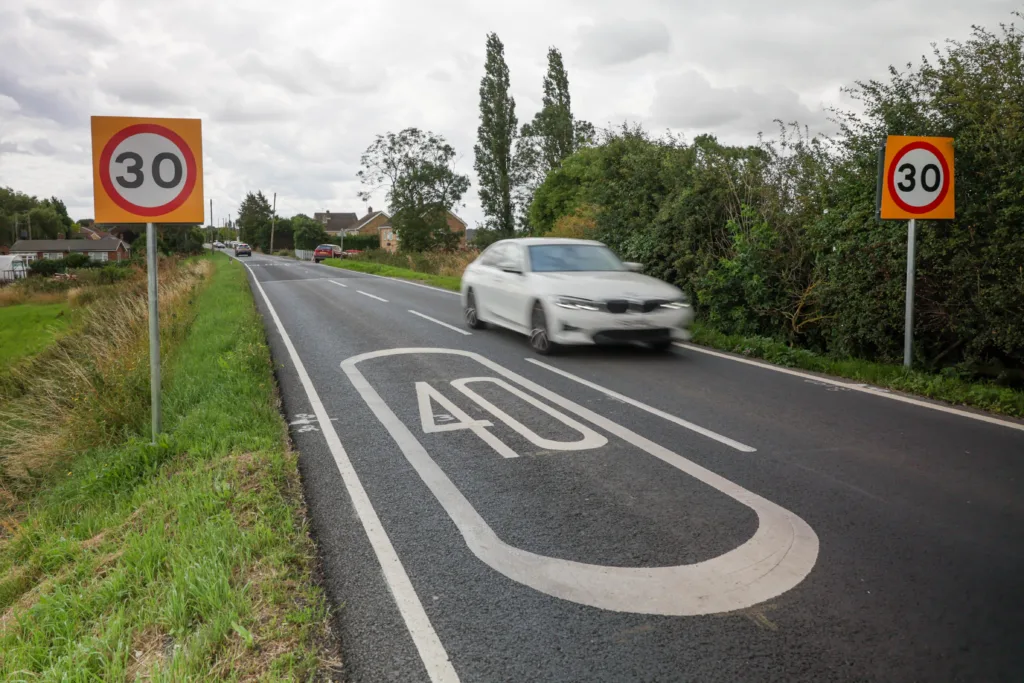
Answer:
(564, 291)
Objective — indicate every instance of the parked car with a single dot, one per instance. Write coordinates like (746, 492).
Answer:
(567, 291)
(242, 249)
(218, 245)
(325, 251)
(13, 268)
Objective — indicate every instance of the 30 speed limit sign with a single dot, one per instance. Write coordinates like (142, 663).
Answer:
(147, 170)
(918, 178)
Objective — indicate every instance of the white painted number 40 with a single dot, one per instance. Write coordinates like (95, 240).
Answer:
(456, 418)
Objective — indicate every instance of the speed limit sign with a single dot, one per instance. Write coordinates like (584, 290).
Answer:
(918, 178)
(147, 170)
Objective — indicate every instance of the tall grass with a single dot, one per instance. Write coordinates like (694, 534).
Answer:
(447, 264)
(90, 387)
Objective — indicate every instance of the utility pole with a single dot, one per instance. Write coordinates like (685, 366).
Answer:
(273, 222)
(30, 226)
(213, 229)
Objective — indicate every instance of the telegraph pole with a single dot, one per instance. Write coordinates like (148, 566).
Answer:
(273, 222)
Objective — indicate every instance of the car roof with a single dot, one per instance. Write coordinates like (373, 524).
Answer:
(540, 241)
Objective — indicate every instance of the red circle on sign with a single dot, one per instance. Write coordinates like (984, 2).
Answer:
(910, 208)
(124, 134)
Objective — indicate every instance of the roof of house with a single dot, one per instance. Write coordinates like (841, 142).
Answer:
(93, 233)
(367, 218)
(34, 246)
(336, 222)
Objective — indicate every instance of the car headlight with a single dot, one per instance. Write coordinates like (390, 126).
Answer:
(576, 304)
(677, 304)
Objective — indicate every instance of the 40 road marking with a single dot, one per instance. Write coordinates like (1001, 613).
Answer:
(775, 559)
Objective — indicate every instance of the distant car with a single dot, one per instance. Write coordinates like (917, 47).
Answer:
(352, 252)
(563, 291)
(218, 245)
(242, 249)
(326, 251)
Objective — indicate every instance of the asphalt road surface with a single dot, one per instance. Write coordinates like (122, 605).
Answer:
(484, 514)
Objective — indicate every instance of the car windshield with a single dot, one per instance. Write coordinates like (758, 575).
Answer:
(555, 258)
(327, 247)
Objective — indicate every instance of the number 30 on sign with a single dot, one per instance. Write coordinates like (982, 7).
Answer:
(147, 170)
(918, 178)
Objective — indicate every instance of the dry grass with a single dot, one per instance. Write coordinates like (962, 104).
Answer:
(448, 264)
(14, 295)
(84, 391)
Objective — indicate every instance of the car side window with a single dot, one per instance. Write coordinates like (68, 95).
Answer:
(512, 258)
(493, 256)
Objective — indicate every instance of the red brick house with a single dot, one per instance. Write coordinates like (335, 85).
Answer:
(102, 249)
(389, 238)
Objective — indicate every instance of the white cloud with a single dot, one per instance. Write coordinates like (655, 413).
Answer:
(620, 41)
(291, 93)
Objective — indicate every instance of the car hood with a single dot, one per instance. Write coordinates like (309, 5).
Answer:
(601, 286)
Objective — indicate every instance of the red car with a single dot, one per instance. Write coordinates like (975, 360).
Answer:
(325, 251)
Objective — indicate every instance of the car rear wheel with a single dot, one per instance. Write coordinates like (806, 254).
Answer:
(540, 341)
(473, 321)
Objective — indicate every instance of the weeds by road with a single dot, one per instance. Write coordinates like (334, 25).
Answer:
(27, 329)
(188, 560)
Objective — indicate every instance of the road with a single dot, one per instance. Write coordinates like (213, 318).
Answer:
(483, 514)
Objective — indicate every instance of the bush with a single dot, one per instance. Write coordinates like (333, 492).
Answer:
(77, 261)
(361, 242)
(47, 267)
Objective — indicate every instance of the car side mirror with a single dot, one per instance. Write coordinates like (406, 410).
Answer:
(633, 267)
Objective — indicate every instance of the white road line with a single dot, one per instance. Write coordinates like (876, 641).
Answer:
(435, 320)
(372, 296)
(335, 282)
(427, 642)
(650, 409)
(864, 388)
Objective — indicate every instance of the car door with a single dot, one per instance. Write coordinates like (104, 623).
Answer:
(484, 283)
(510, 285)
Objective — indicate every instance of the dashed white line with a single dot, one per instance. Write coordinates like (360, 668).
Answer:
(442, 324)
(865, 388)
(335, 282)
(372, 296)
(428, 644)
(650, 409)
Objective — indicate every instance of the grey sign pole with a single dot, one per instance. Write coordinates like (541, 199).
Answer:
(908, 326)
(154, 328)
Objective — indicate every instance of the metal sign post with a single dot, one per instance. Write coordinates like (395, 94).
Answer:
(154, 328)
(916, 181)
(908, 325)
(147, 170)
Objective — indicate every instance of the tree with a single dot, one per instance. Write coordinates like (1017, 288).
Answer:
(254, 220)
(553, 136)
(308, 232)
(496, 165)
(417, 170)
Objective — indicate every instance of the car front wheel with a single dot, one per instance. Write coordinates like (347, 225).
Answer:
(540, 341)
(473, 321)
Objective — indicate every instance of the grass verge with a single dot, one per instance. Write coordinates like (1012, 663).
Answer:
(442, 281)
(188, 560)
(27, 329)
(986, 396)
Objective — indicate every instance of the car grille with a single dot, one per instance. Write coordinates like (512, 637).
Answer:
(624, 305)
(640, 335)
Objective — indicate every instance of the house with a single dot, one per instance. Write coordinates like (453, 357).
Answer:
(104, 249)
(370, 223)
(336, 223)
(389, 238)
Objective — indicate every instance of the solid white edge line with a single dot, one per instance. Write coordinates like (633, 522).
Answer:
(863, 388)
(372, 296)
(650, 409)
(334, 282)
(442, 324)
(428, 644)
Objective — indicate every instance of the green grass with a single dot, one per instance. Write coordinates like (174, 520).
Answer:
(27, 329)
(442, 281)
(952, 389)
(188, 560)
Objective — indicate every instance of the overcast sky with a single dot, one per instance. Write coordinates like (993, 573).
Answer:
(291, 93)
